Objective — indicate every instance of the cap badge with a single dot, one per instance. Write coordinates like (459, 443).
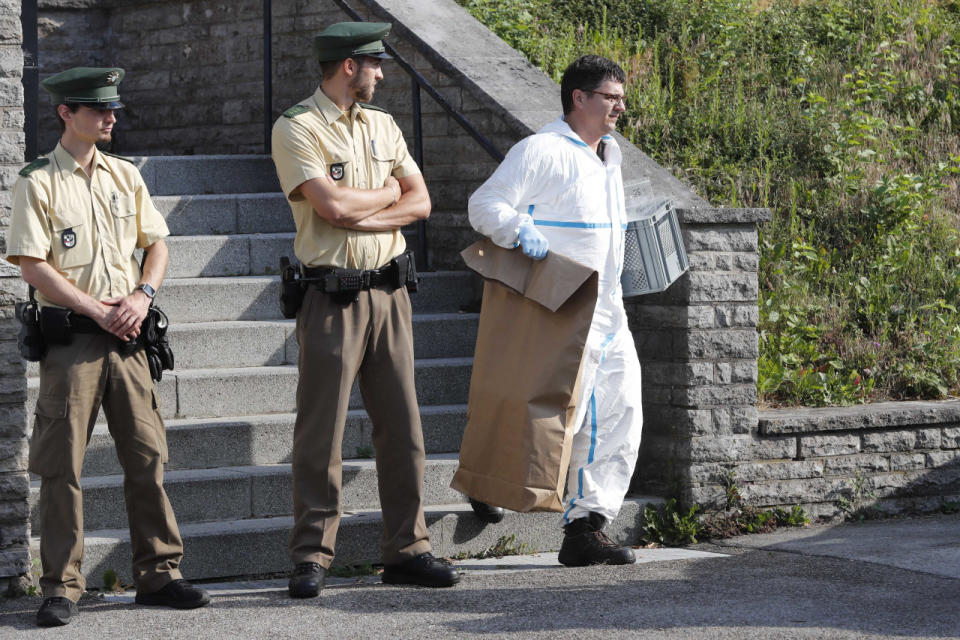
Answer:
(68, 238)
(112, 77)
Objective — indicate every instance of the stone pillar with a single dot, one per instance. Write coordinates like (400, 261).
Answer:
(14, 484)
(698, 346)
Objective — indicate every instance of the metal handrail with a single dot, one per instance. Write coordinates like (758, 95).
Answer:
(433, 93)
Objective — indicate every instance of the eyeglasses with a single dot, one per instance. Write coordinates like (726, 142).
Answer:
(612, 98)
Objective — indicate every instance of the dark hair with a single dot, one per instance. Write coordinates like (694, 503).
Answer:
(587, 73)
(329, 68)
(56, 111)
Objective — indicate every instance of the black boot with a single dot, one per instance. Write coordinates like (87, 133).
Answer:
(307, 580)
(585, 543)
(56, 611)
(486, 512)
(424, 570)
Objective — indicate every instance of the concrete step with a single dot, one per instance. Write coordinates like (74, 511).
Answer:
(211, 393)
(246, 343)
(228, 255)
(236, 493)
(259, 546)
(267, 439)
(176, 175)
(228, 213)
(257, 297)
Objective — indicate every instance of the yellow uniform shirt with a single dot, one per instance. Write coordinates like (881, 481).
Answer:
(86, 227)
(357, 148)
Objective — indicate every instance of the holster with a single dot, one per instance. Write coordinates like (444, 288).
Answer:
(406, 265)
(292, 289)
(153, 336)
(30, 339)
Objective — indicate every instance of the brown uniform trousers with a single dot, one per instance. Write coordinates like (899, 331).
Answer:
(74, 381)
(372, 338)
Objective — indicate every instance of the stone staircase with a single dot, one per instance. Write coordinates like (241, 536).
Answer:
(229, 405)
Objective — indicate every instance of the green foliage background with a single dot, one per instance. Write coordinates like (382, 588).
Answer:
(842, 116)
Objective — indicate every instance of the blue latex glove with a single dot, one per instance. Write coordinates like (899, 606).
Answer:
(532, 242)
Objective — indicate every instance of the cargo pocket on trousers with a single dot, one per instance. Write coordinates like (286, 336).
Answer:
(50, 442)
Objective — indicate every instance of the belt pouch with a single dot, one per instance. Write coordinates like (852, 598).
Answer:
(291, 289)
(55, 324)
(30, 339)
(407, 272)
(343, 281)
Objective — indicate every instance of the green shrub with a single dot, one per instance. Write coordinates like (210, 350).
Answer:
(840, 115)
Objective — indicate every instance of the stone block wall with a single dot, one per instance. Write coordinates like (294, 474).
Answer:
(698, 345)
(893, 457)
(14, 483)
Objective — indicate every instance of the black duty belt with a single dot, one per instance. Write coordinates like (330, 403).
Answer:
(333, 280)
(83, 324)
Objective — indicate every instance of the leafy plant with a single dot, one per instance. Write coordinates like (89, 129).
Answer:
(504, 546)
(855, 505)
(671, 525)
(111, 582)
(796, 517)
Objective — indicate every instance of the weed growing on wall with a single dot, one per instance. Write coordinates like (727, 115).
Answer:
(843, 117)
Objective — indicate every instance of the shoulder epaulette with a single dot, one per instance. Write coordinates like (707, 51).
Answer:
(372, 107)
(33, 166)
(295, 110)
(113, 155)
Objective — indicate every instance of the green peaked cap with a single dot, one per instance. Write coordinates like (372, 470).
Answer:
(346, 39)
(97, 87)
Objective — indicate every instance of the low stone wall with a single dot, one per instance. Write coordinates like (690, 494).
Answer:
(892, 457)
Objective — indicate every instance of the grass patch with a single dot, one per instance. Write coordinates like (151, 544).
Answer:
(504, 546)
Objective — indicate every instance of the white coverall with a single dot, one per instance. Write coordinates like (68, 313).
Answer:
(575, 199)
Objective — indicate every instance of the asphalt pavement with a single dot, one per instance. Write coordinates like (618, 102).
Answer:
(896, 578)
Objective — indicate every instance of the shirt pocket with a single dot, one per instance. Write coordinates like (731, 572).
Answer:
(124, 210)
(382, 166)
(72, 242)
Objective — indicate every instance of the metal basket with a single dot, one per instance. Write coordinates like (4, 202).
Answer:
(654, 256)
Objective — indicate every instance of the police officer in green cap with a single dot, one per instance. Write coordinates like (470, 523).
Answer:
(352, 184)
(78, 216)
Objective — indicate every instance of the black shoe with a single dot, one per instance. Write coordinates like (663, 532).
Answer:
(307, 580)
(178, 594)
(486, 512)
(584, 543)
(424, 570)
(56, 611)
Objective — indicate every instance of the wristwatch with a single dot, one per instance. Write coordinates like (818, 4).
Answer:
(147, 289)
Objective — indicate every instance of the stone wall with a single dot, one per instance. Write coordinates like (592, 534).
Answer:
(14, 484)
(893, 457)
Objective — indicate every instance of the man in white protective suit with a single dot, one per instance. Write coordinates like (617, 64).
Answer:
(561, 190)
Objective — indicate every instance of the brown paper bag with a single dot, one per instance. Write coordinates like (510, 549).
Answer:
(523, 391)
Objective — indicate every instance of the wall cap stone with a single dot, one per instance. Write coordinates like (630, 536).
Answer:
(723, 215)
(881, 415)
